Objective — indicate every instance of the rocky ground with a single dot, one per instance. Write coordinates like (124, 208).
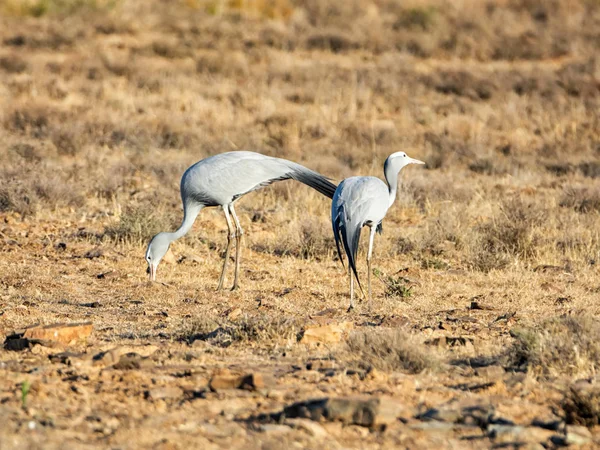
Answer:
(483, 330)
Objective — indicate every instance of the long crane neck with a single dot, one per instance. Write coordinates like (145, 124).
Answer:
(190, 212)
(391, 176)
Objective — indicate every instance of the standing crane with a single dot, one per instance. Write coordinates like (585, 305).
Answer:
(360, 201)
(221, 180)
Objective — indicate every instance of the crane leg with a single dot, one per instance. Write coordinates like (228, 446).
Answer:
(230, 236)
(351, 276)
(369, 254)
(238, 247)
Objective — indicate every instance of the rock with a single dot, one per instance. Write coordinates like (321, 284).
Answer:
(108, 275)
(451, 415)
(326, 334)
(112, 356)
(161, 393)
(233, 313)
(577, 435)
(472, 415)
(321, 365)
(553, 423)
(62, 333)
(250, 382)
(366, 412)
(492, 372)
(132, 361)
(312, 428)
(518, 434)
(274, 428)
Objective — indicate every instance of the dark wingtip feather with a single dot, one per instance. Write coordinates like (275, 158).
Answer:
(350, 239)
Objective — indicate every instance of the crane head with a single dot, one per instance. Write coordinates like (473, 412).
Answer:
(396, 161)
(157, 248)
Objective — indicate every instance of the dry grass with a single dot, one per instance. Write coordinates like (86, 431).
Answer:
(103, 105)
(566, 345)
(388, 350)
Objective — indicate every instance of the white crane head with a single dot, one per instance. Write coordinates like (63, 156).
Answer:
(157, 248)
(396, 161)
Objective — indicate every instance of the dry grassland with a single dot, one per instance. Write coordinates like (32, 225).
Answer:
(487, 290)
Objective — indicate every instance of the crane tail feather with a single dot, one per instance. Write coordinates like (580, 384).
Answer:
(313, 179)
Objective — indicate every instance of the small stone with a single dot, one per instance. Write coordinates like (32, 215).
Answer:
(451, 415)
(219, 382)
(372, 412)
(107, 275)
(132, 361)
(161, 393)
(578, 435)
(112, 356)
(312, 428)
(326, 334)
(274, 428)
(514, 433)
(226, 380)
(233, 313)
(252, 382)
(61, 333)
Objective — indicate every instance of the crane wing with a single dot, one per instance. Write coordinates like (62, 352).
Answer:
(357, 201)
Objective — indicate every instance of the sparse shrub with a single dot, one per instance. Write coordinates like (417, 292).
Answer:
(334, 42)
(13, 64)
(316, 240)
(17, 196)
(26, 151)
(581, 199)
(513, 232)
(67, 141)
(260, 328)
(483, 166)
(388, 350)
(566, 345)
(590, 169)
(421, 18)
(581, 404)
(31, 119)
(136, 224)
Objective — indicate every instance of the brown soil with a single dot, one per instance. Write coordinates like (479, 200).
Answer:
(482, 331)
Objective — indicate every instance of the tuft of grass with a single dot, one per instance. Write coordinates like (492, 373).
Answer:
(395, 286)
(25, 388)
(566, 345)
(388, 350)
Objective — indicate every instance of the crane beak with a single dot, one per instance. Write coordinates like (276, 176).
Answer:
(151, 271)
(415, 161)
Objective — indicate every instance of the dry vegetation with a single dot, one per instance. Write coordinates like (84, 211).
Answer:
(489, 258)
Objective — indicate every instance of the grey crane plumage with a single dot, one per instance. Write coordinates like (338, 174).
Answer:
(220, 180)
(364, 201)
